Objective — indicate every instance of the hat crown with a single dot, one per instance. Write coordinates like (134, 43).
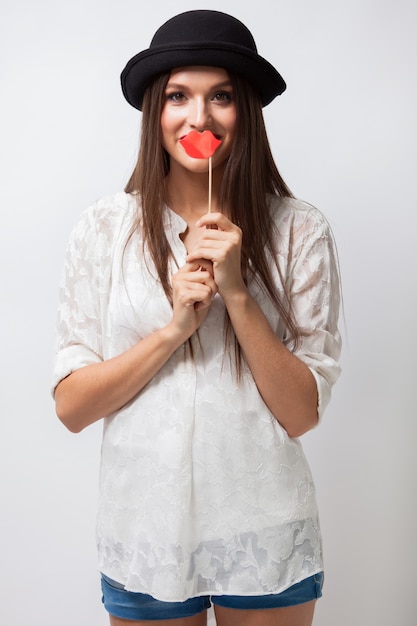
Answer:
(203, 26)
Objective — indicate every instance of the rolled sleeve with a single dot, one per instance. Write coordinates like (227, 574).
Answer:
(79, 324)
(315, 300)
(69, 360)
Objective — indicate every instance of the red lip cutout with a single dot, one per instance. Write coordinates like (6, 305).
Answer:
(200, 145)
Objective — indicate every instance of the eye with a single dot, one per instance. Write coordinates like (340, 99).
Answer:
(222, 96)
(175, 96)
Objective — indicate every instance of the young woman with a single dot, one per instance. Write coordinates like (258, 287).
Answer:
(207, 342)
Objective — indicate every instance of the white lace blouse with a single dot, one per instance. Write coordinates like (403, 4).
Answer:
(201, 490)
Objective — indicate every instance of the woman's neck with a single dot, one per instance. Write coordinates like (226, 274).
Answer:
(188, 192)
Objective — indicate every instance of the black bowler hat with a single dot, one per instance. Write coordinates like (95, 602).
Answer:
(208, 38)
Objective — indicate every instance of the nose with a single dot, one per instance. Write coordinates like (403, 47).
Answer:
(199, 114)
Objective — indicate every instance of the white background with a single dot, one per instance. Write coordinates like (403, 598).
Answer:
(344, 137)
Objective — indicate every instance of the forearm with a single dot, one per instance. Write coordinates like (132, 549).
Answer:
(285, 383)
(98, 390)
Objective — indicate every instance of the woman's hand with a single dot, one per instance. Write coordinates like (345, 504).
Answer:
(283, 380)
(193, 290)
(221, 244)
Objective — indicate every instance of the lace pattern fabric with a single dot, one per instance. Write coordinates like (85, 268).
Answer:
(201, 489)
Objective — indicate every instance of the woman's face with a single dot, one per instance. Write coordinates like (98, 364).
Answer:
(198, 98)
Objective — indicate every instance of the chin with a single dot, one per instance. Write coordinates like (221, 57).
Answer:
(195, 166)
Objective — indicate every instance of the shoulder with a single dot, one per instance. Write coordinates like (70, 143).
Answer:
(299, 223)
(106, 219)
(293, 213)
(110, 210)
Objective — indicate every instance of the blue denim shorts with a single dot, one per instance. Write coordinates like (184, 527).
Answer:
(140, 606)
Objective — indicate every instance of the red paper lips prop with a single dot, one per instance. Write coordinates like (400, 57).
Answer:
(200, 145)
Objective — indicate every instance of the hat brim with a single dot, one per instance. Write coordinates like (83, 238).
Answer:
(146, 65)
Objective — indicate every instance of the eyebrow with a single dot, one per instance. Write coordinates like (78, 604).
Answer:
(222, 85)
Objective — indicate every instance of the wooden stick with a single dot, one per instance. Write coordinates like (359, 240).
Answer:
(210, 185)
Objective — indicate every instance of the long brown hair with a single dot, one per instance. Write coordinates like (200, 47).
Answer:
(249, 176)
